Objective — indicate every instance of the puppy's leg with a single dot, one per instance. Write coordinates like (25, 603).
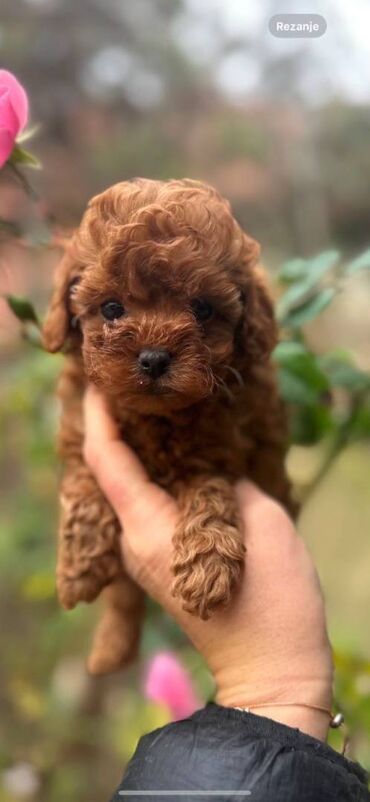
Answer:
(88, 541)
(209, 547)
(88, 561)
(117, 637)
(89, 557)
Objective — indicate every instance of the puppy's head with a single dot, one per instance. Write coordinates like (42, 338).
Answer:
(161, 290)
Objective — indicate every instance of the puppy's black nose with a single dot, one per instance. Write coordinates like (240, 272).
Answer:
(154, 361)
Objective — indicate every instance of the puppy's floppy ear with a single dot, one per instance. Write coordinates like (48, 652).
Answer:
(57, 324)
(258, 332)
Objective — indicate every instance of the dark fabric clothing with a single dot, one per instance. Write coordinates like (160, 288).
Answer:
(229, 751)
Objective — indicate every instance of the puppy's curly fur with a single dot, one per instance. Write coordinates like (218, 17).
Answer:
(188, 282)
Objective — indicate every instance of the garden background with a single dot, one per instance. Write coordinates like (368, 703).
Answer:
(168, 88)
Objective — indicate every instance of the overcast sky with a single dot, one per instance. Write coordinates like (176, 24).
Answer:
(343, 53)
(335, 65)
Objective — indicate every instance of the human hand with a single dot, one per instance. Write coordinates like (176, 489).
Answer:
(270, 645)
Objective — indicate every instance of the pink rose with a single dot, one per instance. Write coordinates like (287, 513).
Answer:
(13, 113)
(168, 683)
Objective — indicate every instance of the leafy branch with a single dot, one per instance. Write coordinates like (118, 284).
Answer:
(328, 395)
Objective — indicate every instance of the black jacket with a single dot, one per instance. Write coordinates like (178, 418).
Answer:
(241, 756)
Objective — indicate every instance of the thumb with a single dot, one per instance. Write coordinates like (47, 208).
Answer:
(146, 512)
(117, 469)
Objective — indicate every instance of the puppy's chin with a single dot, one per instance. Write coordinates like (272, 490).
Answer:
(159, 405)
(158, 399)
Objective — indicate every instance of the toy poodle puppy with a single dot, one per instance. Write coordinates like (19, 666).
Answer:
(160, 302)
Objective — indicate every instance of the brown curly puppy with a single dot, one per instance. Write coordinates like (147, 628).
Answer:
(160, 302)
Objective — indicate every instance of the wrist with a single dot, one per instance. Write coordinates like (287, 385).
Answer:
(310, 721)
(295, 701)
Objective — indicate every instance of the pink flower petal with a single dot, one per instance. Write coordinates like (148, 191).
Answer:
(8, 118)
(18, 97)
(168, 683)
(6, 145)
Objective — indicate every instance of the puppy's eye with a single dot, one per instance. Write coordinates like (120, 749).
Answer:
(112, 310)
(202, 309)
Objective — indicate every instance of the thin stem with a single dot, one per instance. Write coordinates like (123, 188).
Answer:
(29, 190)
(340, 441)
(31, 193)
(337, 446)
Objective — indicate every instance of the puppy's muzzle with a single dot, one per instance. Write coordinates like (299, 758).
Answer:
(154, 362)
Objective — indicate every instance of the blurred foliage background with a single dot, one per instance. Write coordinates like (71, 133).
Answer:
(168, 88)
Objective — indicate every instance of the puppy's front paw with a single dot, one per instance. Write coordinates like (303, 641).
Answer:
(83, 588)
(88, 557)
(206, 582)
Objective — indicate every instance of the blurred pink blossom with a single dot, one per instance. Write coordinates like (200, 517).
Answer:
(13, 113)
(169, 683)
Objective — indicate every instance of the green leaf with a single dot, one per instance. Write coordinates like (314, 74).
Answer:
(293, 270)
(297, 360)
(312, 269)
(22, 309)
(21, 156)
(295, 390)
(299, 292)
(360, 423)
(362, 262)
(342, 373)
(323, 262)
(287, 351)
(308, 310)
(32, 334)
(308, 425)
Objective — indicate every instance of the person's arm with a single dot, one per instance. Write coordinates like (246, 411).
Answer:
(269, 647)
(270, 644)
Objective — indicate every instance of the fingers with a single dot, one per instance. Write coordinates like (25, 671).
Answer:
(259, 509)
(116, 467)
(270, 535)
(248, 493)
